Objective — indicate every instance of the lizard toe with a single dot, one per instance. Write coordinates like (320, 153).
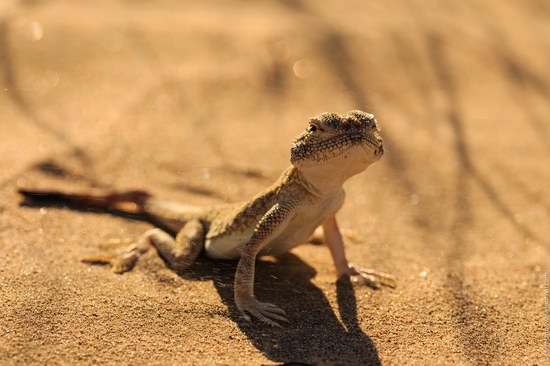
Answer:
(267, 313)
(276, 317)
(367, 280)
(273, 309)
(372, 277)
(265, 319)
(246, 316)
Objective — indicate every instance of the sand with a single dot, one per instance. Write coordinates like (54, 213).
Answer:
(199, 102)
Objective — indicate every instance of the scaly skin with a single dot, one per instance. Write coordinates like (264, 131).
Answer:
(308, 194)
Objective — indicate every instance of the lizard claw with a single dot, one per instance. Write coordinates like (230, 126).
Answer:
(371, 277)
(267, 313)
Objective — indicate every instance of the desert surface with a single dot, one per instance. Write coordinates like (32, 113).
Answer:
(199, 102)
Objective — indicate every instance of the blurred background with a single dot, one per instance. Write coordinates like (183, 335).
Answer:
(200, 100)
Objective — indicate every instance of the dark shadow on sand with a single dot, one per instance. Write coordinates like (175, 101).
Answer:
(314, 335)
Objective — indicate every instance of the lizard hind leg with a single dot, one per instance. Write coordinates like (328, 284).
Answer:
(179, 253)
(182, 252)
(127, 260)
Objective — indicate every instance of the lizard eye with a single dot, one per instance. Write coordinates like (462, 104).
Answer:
(312, 128)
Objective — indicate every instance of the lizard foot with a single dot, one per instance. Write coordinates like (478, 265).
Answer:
(125, 262)
(122, 263)
(268, 313)
(371, 277)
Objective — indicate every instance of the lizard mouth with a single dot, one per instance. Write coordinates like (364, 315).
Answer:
(336, 146)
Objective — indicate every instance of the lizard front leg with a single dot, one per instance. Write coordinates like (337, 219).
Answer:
(333, 239)
(273, 223)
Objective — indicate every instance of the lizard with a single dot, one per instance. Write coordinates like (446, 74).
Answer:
(307, 195)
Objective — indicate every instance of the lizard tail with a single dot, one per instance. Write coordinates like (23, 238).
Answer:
(131, 202)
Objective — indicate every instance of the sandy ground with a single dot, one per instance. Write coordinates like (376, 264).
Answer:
(199, 102)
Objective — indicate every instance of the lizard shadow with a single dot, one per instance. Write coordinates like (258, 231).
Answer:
(314, 335)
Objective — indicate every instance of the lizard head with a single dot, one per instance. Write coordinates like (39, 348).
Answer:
(344, 144)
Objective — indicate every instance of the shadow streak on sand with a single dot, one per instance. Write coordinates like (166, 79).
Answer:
(477, 341)
(530, 193)
(333, 47)
(468, 169)
(10, 83)
(314, 335)
(525, 85)
(341, 62)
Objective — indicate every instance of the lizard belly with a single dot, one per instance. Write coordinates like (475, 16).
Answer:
(230, 246)
(307, 218)
(290, 239)
(297, 232)
(300, 229)
(227, 246)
